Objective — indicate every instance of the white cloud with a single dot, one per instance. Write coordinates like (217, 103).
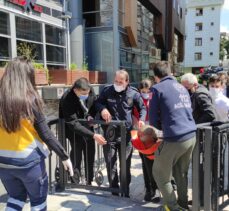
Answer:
(226, 5)
(224, 28)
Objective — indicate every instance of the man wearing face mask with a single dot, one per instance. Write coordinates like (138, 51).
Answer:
(202, 104)
(220, 100)
(116, 102)
(75, 104)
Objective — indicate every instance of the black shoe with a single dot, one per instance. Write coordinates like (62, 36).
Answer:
(147, 196)
(115, 194)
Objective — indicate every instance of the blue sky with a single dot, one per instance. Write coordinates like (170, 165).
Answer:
(224, 23)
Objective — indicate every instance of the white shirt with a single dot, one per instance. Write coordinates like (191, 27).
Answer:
(222, 107)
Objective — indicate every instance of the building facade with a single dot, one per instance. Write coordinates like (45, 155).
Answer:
(202, 21)
(126, 34)
(37, 24)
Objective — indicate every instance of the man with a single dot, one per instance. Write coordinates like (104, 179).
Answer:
(202, 104)
(216, 88)
(116, 102)
(74, 105)
(170, 109)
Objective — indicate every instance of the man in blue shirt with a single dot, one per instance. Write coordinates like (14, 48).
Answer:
(170, 110)
(116, 102)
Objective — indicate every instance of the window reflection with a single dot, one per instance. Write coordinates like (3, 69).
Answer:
(37, 52)
(55, 54)
(5, 48)
(28, 29)
(54, 35)
(4, 23)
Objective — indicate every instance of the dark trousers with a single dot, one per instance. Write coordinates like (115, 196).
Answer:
(110, 153)
(87, 147)
(20, 183)
(147, 167)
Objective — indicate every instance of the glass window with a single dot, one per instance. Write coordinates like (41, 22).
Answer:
(55, 54)
(4, 23)
(28, 29)
(97, 5)
(54, 35)
(199, 11)
(199, 26)
(198, 41)
(5, 48)
(198, 56)
(56, 13)
(99, 51)
(98, 19)
(46, 10)
(37, 50)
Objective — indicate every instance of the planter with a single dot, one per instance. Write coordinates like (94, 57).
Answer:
(97, 77)
(76, 74)
(60, 76)
(41, 77)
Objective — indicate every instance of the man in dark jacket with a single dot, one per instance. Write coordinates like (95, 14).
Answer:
(116, 102)
(202, 103)
(74, 105)
(170, 109)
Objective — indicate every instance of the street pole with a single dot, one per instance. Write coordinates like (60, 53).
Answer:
(68, 50)
(67, 35)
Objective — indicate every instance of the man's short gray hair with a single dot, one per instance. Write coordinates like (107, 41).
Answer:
(191, 78)
(123, 72)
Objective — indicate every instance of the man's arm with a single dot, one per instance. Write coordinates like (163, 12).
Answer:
(100, 103)
(72, 121)
(154, 109)
(207, 108)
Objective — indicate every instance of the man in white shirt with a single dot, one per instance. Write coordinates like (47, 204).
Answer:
(220, 100)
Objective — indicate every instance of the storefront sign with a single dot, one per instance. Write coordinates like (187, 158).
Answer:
(28, 5)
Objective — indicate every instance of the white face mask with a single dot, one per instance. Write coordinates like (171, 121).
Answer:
(119, 88)
(145, 96)
(214, 92)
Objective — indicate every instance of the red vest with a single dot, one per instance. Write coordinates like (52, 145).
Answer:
(147, 151)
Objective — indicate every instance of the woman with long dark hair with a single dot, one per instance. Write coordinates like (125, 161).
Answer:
(24, 137)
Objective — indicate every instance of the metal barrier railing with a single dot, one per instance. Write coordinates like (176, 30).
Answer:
(210, 167)
(79, 180)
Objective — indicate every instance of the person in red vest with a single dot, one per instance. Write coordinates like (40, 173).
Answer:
(147, 160)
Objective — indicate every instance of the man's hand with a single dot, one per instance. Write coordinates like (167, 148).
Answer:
(90, 118)
(140, 124)
(99, 139)
(68, 166)
(106, 115)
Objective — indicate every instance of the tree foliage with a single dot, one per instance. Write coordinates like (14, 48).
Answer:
(224, 48)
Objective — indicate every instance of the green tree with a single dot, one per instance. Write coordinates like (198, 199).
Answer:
(224, 48)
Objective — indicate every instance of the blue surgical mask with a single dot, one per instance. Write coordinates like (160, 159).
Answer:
(145, 96)
(83, 97)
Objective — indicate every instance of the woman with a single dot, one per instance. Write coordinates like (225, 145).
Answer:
(24, 135)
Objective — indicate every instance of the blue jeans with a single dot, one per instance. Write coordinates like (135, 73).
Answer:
(20, 183)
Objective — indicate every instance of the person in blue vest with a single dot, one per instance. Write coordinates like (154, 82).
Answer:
(116, 102)
(170, 110)
(25, 138)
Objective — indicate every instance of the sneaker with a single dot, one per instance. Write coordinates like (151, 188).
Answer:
(155, 196)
